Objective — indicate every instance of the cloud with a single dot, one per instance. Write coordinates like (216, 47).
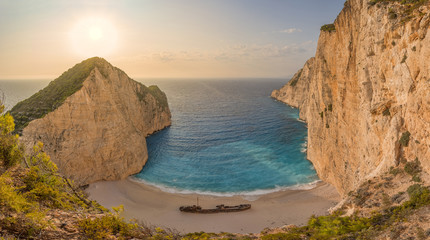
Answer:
(261, 52)
(291, 30)
(228, 53)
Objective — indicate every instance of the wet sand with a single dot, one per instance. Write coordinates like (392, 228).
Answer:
(154, 207)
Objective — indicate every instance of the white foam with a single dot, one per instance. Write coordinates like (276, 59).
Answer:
(250, 195)
(304, 146)
(300, 120)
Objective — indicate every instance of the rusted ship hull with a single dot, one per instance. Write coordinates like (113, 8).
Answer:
(218, 209)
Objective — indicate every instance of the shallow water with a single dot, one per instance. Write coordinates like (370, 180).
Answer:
(227, 137)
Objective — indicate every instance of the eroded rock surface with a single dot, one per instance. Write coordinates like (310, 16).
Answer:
(367, 86)
(98, 133)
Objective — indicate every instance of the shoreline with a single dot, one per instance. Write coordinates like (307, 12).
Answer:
(247, 195)
(154, 207)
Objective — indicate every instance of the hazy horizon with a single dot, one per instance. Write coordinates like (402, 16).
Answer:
(185, 39)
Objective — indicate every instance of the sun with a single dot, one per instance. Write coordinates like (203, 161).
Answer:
(93, 36)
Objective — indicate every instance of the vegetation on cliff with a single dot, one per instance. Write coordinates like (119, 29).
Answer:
(54, 95)
(404, 9)
(159, 95)
(37, 202)
(410, 3)
(296, 78)
(385, 207)
(30, 187)
(328, 28)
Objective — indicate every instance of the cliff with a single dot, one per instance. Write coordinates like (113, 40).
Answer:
(365, 93)
(93, 121)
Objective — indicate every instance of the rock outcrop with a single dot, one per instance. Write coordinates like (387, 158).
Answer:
(365, 95)
(98, 132)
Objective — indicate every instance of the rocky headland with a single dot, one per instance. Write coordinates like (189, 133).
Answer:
(93, 121)
(365, 93)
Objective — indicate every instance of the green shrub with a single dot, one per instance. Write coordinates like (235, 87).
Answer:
(28, 219)
(282, 236)
(199, 235)
(43, 184)
(10, 151)
(326, 227)
(414, 190)
(159, 96)
(107, 225)
(328, 28)
(10, 199)
(336, 226)
(394, 171)
(28, 189)
(416, 178)
(413, 168)
(407, 8)
(404, 139)
(330, 107)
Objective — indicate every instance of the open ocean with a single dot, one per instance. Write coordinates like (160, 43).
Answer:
(227, 137)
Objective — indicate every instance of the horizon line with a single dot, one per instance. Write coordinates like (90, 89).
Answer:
(31, 78)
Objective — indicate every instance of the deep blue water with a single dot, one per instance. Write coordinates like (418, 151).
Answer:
(227, 137)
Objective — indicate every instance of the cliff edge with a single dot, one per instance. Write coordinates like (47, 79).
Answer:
(365, 93)
(93, 121)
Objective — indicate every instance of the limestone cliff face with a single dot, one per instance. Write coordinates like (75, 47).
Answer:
(99, 132)
(368, 85)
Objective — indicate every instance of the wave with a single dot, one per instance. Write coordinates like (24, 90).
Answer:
(304, 146)
(248, 195)
(301, 120)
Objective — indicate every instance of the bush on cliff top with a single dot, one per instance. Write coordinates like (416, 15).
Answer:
(328, 28)
(53, 96)
(159, 95)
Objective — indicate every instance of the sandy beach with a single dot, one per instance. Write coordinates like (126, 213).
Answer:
(152, 206)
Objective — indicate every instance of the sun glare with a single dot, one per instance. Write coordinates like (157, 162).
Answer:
(96, 33)
(93, 37)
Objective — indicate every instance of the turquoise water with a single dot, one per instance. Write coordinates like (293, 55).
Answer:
(227, 137)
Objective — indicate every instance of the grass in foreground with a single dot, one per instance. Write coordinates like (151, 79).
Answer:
(36, 202)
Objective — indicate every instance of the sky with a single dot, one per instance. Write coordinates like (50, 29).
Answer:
(162, 38)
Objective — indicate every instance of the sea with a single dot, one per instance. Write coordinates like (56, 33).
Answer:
(228, 137)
